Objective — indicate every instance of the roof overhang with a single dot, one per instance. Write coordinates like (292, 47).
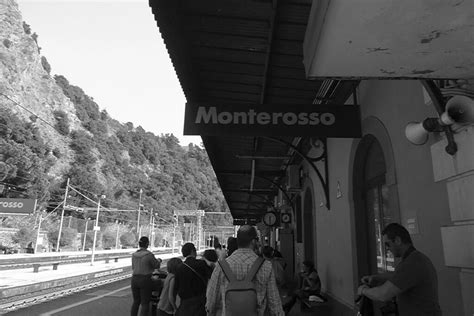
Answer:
(390, 39)
(246, 53)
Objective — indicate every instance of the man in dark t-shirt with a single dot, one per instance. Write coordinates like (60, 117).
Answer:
(191, 282)
(414, 282)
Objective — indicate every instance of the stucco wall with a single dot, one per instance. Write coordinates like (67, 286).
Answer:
(395, 103)
(333, 227)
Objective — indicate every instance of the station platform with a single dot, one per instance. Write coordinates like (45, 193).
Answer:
(20, 281)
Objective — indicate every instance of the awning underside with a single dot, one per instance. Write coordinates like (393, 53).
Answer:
(244, 52)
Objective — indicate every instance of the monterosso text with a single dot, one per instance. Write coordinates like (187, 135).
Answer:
(11, 204)
(209, 115)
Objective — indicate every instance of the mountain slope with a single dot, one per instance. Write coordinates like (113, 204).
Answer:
(51, 130)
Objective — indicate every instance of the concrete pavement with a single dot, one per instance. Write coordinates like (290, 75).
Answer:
(20, 281)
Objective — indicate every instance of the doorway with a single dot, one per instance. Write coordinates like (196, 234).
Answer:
(375, 206)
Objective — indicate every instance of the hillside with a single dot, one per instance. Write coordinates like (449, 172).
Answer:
(51, 130)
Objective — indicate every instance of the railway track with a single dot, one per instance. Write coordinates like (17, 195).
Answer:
(101, 278)
(29, 299)
(11, 264)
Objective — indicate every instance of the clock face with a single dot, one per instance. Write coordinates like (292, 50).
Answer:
(269, 219)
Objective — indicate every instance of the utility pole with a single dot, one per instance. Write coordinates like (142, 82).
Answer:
(174, 239)
(139, 207)
(149, 225)
(69, 223)
(96, 228)
(85, 235)
(152, 239)
(199, 231)
(62, 216)
(175, 223)
(38, 233)
(117, 237)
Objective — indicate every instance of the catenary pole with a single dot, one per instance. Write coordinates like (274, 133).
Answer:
(139, 207)
(152, 240)
(96, 228)
(117, 236)
(38, 233)
(85, 235)
(149, 225)
(62, 215)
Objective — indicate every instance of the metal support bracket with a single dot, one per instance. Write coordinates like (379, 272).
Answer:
(324, 156)
(288, 198)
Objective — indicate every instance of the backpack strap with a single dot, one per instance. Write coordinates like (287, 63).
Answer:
(227, 271)
(254, 269)
(195, 272)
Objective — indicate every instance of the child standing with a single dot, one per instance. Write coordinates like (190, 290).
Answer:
(167, 304)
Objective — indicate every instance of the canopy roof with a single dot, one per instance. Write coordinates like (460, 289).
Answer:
(246, 52)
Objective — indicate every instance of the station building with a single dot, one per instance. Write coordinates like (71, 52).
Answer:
(305, 108)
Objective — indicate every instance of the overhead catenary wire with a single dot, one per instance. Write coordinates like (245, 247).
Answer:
(105, 208)
(107, 199)
(115, 202)
(29, 111)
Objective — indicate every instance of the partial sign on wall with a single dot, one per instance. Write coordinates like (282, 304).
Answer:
(17, 206)
(412, 226)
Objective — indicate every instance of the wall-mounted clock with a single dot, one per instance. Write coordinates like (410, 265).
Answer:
(269, 218)
(286, 218)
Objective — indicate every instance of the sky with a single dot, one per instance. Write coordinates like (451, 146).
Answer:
(113, 50)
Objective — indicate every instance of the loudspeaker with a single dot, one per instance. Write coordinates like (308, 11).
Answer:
(415, 133)
(460, 109)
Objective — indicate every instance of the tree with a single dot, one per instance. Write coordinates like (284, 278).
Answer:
(26, 28)
(129, 239)
(68, 237)
(46, 65)
(110, 234)
(62, 123)
(24, 236)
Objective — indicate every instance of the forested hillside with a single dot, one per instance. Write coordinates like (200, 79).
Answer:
(51, 130)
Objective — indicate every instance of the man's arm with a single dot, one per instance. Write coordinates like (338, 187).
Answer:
(213, 291)
(383, 293)
(155, 263)
(377, 279)
(273, 297)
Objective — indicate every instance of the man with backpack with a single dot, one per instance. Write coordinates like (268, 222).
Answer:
(243, 283)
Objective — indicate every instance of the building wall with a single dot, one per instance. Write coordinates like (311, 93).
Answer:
(422, 201)
(333, 226)
(395, 103)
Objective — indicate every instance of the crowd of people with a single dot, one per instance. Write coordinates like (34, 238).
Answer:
(200, 286)
(249, 279)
